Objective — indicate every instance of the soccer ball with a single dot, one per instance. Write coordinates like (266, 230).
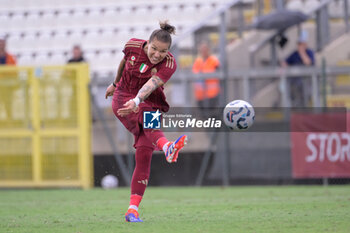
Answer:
(239, 115)
(109, 182)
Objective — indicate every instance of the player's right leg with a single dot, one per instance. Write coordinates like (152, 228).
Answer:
(132, 216)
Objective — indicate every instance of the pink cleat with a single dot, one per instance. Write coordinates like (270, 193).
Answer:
(173, 149)
(132, 216)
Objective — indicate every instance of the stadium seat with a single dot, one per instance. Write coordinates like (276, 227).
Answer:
(63, 19)
(25, 60)
(59, 40)
(57, 59)
(4, 22)
(45, 41)
(91, 39)
(122, 36)
(105, 26)
(92, 18)
(48, 20)
(90, 56)
(109, 16)
(40, 60)
(107, 39)
(157, 12)
(205, 9)
(39, 4)
(125, 16)
(15, 4)
(74, 38)
(29, 42)
(77, 19)
(16, 21)
(14, 43)
(188, 12)
(142, 13)
(175, 14)
(32, 21)
(106, 60)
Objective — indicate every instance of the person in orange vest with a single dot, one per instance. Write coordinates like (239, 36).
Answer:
(206, 91)
(5, 57)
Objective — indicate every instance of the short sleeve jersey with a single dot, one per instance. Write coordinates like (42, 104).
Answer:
(138, 70)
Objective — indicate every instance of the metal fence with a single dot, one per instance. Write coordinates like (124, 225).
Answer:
(325, 86)
(45, 127)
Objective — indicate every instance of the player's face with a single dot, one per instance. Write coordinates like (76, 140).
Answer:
(157, 51)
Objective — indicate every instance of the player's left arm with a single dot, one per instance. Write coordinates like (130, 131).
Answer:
(145, 91)
(111, 87)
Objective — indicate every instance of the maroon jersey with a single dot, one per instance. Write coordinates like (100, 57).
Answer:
(138, 70)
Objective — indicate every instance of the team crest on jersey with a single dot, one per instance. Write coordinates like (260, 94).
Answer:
(153, 71)
(143, 68)
(132, 60)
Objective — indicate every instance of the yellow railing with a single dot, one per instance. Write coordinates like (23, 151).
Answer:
(45, 136)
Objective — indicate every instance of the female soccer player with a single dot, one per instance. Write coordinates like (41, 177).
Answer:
(138, 87)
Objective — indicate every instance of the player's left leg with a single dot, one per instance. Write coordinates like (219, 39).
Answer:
(143, 157)
(173, 148)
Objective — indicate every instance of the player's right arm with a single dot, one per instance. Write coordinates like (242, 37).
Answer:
(132, 105)
(111, 87)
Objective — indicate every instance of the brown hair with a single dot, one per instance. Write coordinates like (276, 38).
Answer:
(164, 33)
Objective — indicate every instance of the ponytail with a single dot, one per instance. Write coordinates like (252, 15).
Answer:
(164, 33)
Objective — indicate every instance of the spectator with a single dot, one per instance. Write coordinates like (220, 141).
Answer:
(5, 57)
(77, 55)
(69, 78)
(6, 93)
(302, 56)
(206, 92)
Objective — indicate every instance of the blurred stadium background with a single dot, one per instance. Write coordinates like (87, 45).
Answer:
(56, 128)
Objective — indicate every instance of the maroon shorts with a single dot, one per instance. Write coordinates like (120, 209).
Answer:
(132, 122)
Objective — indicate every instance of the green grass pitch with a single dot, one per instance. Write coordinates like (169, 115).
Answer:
(179, 209)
